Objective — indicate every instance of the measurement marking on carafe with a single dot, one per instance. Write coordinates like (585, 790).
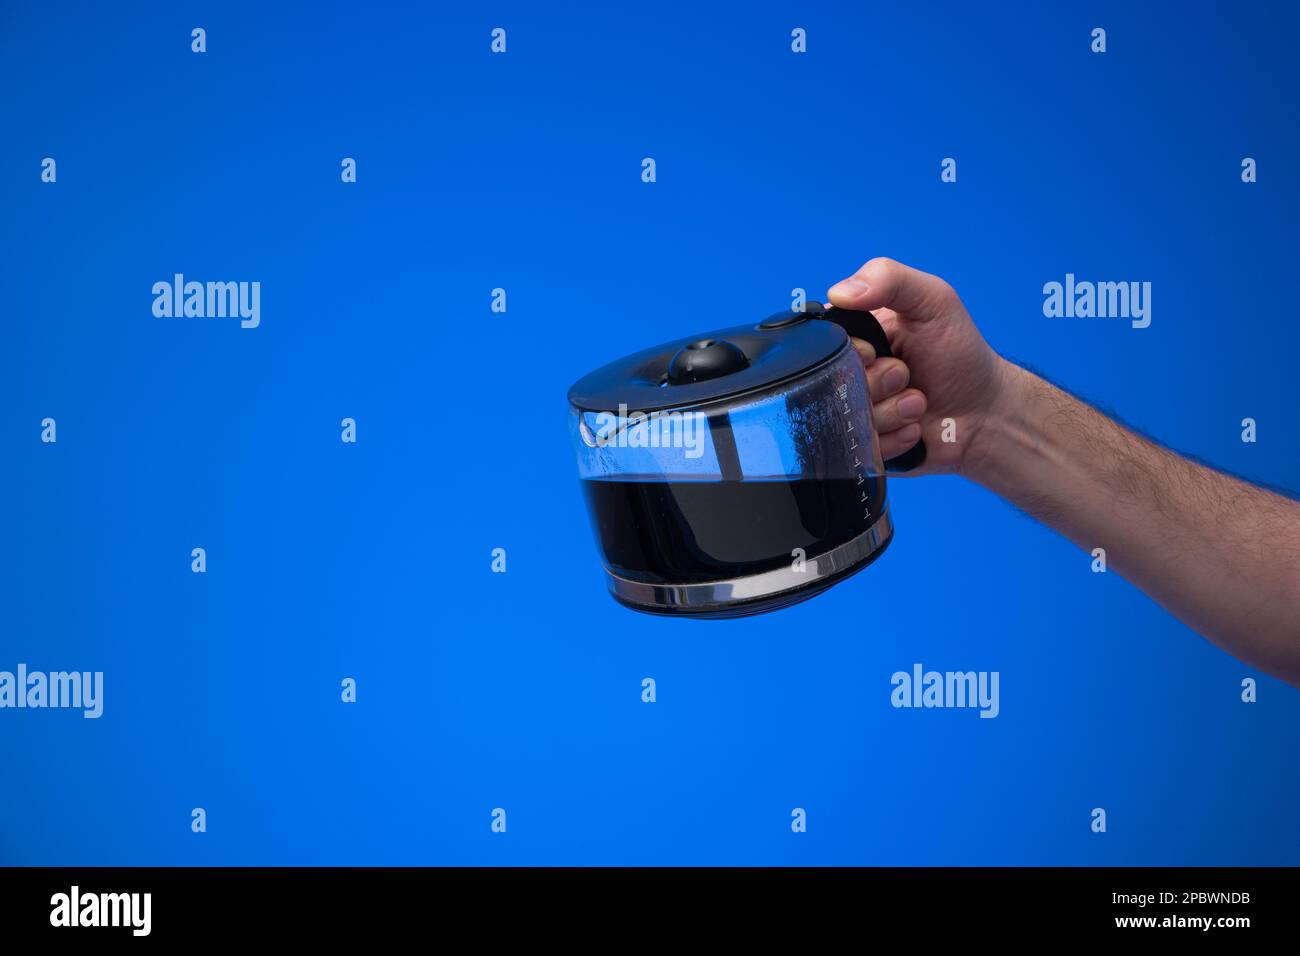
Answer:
(842, 393)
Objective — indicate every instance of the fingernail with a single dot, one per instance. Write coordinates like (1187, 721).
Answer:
(893, 380)
(852, 287)
(908, 433)
(911, 406)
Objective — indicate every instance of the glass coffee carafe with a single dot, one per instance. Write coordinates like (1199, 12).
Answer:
(737, 471)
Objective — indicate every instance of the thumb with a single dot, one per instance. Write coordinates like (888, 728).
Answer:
(886, 284)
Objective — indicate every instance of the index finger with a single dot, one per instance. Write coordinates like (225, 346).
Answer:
(865, 350)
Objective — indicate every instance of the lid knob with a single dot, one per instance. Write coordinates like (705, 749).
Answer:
(705, 359)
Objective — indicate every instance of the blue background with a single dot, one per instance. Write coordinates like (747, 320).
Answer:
(522, 690)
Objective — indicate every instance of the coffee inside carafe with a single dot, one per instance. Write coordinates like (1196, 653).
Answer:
(688, 531)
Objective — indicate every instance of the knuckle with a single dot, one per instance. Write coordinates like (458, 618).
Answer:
(882, 268)
(945, 295)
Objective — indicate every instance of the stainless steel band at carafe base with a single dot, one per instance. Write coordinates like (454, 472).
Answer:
(756, 586)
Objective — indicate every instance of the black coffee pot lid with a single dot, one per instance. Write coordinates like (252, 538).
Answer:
(712, 366)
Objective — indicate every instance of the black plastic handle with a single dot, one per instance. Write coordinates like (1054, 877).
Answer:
(863, 325)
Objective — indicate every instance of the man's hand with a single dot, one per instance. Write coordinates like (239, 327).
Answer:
(953, 373)
(1221, 554)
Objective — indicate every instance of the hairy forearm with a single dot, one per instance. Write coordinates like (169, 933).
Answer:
(1221, 554)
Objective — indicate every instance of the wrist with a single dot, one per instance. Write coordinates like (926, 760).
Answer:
(1005, 432)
